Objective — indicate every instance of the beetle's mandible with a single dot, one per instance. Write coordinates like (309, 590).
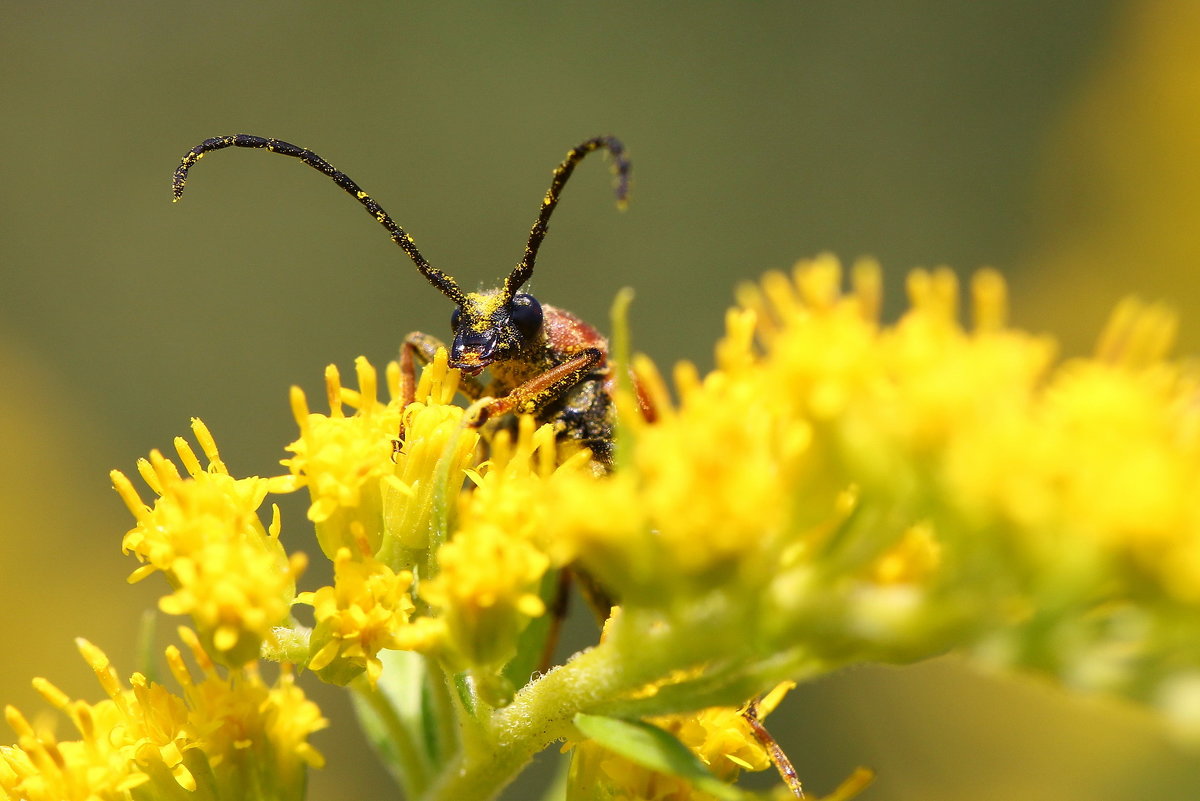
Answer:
(543, 361)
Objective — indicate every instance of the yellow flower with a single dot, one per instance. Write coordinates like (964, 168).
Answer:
(438, 447)
(228, 572)
(363, 477)
(343, 459)
(41, 768)
(365, 611)
(252, 734)
(723, 737)
(222, 738)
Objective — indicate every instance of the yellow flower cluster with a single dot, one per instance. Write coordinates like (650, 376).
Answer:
(383, 506)
(383, 503)
(365, 611)
(490, 572)
(364, 481)
(203, 532)
(836, 490)
(223, 737)
(342, 460)
(854, 491)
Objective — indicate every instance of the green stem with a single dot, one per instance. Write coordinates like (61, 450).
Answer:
(412, 768)
(471, 714)
(443, 711)
(634, 653)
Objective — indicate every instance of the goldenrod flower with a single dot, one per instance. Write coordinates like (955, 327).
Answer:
(438, 448)
(222, 738)
(252, 734)
(343, 459)
(365, 611)
(360, 474)
(228, 573)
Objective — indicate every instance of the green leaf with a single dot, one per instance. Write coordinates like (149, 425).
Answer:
(619, 357)
(651, 747)
(393, 716)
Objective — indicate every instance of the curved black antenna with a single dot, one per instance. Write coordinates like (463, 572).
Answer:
(439, 279)
(562, 172)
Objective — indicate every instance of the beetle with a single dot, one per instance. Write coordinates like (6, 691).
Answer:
(543, 360)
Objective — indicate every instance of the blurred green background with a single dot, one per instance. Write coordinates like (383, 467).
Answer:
(1059, 142)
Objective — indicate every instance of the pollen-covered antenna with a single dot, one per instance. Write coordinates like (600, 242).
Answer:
(562, 172)
(439, 279)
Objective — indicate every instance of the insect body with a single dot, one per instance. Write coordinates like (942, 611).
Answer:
(543, 361)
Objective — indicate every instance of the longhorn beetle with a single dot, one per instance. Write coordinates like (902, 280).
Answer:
(544, 361)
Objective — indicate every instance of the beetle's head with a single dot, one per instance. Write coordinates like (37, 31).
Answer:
(493, 327)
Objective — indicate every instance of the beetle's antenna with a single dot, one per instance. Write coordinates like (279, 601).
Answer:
(439, 279)
(562, 172)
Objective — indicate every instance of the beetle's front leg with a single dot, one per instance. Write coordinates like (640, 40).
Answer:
(543, 389)
(418, 349)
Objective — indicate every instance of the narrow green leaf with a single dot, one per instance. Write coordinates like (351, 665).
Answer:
(393, 718)
(651, 747)
(620, 358)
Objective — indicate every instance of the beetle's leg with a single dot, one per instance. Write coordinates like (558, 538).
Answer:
(542, 389)
(557, 609)
(778, 758)
(419, 349)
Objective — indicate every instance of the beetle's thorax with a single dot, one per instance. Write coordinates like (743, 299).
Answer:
(562, 336)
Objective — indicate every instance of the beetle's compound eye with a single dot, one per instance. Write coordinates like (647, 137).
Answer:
(526, 315)
(454, 318)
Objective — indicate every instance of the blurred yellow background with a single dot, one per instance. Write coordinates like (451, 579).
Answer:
(1059, 142)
